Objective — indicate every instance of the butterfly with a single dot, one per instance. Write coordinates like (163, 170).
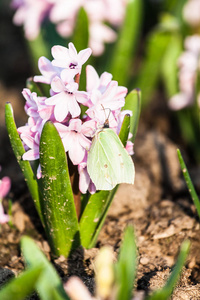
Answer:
(108, 162)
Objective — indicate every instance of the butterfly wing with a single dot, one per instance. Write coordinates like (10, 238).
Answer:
(108, 162)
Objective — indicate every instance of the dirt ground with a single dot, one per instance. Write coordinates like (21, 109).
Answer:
(158, 204)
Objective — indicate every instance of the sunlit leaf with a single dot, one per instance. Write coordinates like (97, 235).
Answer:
(58, 206)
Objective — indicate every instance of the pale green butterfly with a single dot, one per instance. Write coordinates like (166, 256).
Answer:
(108, 162)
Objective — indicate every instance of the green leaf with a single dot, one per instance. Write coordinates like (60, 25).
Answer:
(81, 31)
(175, 7)
(41, 89)
(91, 216)
(188, 119)
(37, 48)
(169, 65)
(166, 292)
(125, 268)
(189, 183)
(95, 212)
(19, 288)
(133, 103)
(148, 77)
(124, 131)
(49, 279)
(33, 86)
(122, 57)
(94, 215)
(80, 41)
(18, 149)
(58, 206)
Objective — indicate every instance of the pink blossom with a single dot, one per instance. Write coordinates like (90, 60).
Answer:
(111, 99)
(47, 70)
(192, 43)
(63, 14)
(33, 144)
(38, 111)
(104, 99)
(31, 14)
(4, 218)
(74, 138)
(180, 100)
(191, 12)
(94, 82)
(129, 147)
(4, 186)
(64, 10)
(101, 12)
(4, 189)
(68, 58)
(188, 64)
(66, 99)
(76, 289)
(100, 34)
(85, 182)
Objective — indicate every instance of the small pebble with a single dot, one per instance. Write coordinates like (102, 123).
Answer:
(144, 260)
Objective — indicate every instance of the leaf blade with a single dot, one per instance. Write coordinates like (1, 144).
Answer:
(22, 286)
(49, 279)
(18, 150)
(58, 206)
(133, 103)
(189, 183)
(128, 35)
(126, 265)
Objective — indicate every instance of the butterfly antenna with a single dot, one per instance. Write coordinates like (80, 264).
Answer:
(106, 123)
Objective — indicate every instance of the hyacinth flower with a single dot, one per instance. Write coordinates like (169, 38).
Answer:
(32, 14)
(61, 138)
(86, 23)
(189, 66)
(4, 189)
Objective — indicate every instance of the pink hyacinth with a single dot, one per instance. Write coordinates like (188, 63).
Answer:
(113, 98)
(4, 186)
(103, 100)
(68, 58)
(191, 12)
(75, 138)
(85, 182)
(4, 189)
(66, 99)
(47, 70)
(101, 15)
(31, 14)
(189, 64)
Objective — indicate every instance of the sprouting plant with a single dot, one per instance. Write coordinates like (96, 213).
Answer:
(113, 280)
(77, 162)
(189, 183)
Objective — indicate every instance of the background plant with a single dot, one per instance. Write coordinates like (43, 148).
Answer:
(118, 283)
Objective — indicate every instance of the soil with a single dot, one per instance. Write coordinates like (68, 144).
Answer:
(158, 204)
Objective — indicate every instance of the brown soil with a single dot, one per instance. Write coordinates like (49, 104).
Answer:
(158, 204)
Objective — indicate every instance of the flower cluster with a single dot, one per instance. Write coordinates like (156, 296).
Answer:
(189, 65)
(31, 14)
(4, 189)
(191, 13)
(103, 100)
